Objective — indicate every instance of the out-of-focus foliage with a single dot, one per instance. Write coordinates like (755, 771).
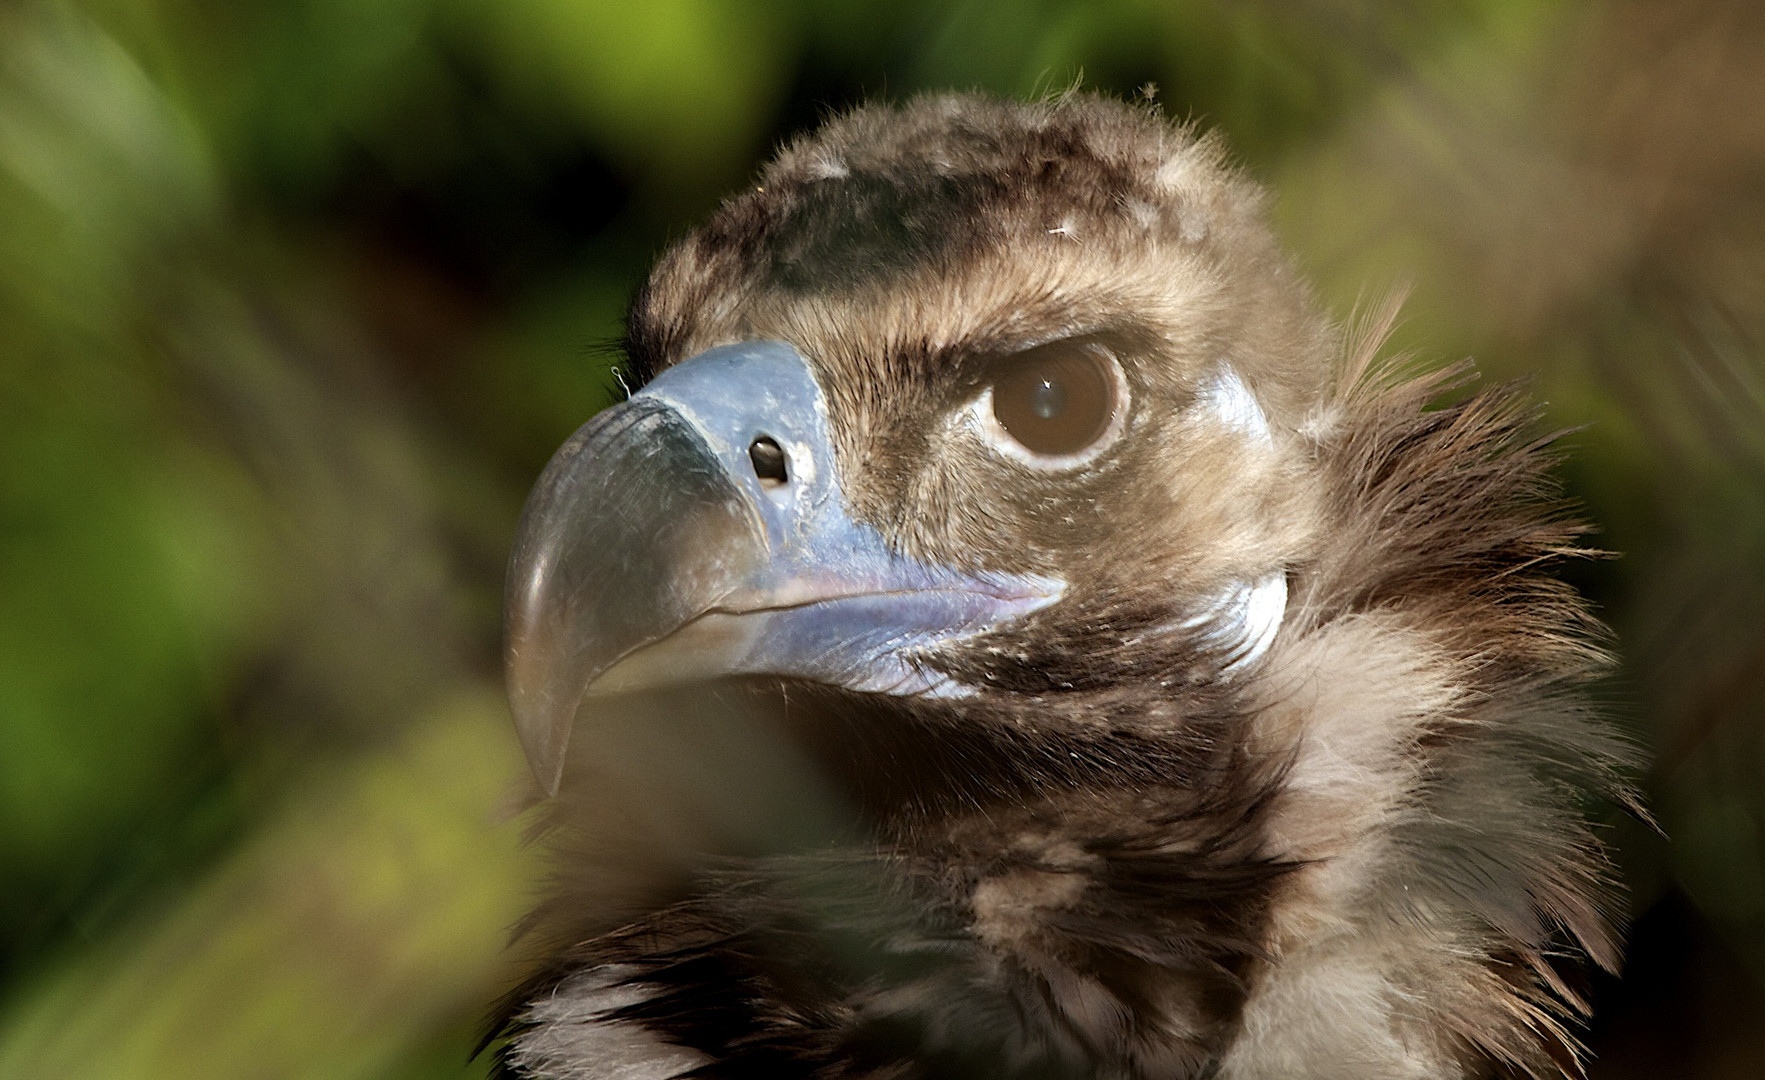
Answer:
(296, 296)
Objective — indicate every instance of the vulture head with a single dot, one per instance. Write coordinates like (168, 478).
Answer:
(1199, 686)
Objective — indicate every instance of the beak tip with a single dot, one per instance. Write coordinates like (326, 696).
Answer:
(543, 727)
(550, 784)
(546, 764)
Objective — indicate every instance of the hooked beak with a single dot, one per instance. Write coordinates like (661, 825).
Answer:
(698, 531)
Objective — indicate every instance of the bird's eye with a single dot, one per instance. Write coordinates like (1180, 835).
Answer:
(1056, 404)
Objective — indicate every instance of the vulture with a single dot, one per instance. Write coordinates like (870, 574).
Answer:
(1192, 683)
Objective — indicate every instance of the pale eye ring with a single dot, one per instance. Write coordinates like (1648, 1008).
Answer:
(1054, 406)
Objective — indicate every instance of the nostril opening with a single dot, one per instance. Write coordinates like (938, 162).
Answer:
(768, 459)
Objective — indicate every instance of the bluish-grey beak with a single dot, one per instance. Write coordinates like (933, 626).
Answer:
(698, 530)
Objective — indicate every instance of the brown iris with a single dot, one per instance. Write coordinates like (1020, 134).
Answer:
(1056, 399)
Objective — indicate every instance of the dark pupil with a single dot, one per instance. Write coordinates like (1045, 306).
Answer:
(1054, 399)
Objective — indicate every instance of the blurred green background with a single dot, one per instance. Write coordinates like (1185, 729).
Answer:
(297, 296)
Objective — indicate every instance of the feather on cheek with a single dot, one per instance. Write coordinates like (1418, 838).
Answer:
(1240, 623)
